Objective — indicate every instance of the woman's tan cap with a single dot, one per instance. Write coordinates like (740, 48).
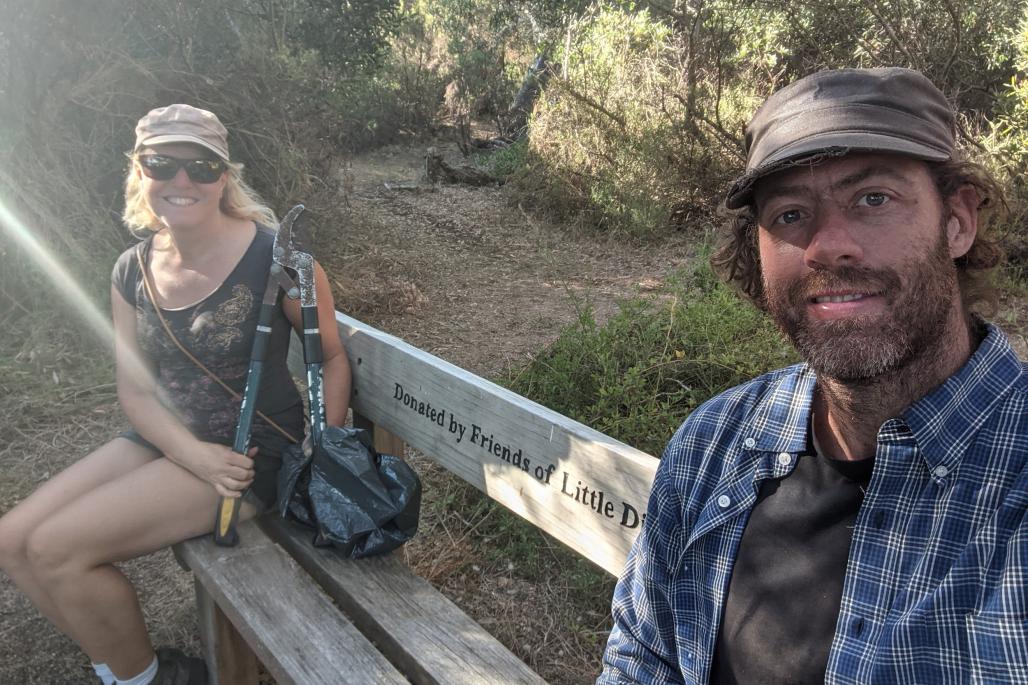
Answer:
(183, 124)
(846, 110)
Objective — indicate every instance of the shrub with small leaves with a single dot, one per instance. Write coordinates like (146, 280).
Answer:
(639, 375)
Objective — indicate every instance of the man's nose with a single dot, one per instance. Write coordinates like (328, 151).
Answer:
(833, 240)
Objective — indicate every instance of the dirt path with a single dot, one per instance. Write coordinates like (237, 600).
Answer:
(464, 274)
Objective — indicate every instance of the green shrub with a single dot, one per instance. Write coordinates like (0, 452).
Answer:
(481, 39)
(605, 139)
(416, 70)
(1007, 148)
(505, 161)
(637, 376)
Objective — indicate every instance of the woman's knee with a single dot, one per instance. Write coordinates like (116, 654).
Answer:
(53, 556)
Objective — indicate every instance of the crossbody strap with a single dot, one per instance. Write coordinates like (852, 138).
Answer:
(167, 329)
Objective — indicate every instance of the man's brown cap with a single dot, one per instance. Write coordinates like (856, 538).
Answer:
(183, 124)
(846, 110)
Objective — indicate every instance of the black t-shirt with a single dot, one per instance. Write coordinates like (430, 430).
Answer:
(786, 587)
(219, 331)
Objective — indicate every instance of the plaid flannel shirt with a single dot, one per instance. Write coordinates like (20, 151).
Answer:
(936, 588)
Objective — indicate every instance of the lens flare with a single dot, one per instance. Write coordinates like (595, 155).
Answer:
(79, 302)
(58, 274)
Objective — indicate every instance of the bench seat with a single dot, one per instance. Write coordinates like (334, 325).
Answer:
(429, 637)
(344, 627)
(289, 623)
(299, 609)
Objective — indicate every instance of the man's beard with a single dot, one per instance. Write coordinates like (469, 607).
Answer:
(862, 348)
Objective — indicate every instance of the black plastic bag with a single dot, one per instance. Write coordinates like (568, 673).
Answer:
(361, 502)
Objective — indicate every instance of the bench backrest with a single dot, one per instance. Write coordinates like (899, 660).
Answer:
(582, 487)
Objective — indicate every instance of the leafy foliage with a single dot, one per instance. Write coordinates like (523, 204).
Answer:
(1009, 134)
(506, 161)
(641, 129)
(1007, 145)
(350, 37)
(637, 376)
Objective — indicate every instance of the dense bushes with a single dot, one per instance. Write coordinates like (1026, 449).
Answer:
(636, 377)
(643, 125)
(607, 136)
(1008, 144)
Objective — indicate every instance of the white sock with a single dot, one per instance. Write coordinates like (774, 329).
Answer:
(143, 678)
(103, 672)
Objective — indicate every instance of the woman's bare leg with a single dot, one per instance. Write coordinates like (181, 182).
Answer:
(127, 513)
(105, 464)
(72, 552)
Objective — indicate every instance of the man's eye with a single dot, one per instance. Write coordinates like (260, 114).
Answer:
(873, 199)
(789, 217)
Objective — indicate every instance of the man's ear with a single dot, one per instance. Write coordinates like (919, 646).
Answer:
(962, 224)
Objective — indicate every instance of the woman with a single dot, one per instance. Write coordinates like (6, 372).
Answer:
(207, 255)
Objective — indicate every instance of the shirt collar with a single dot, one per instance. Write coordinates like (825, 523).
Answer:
(945, 421)
(781, 419)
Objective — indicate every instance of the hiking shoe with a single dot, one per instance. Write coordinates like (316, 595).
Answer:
(175, 668)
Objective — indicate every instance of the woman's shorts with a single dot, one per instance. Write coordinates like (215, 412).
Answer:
(261, 493)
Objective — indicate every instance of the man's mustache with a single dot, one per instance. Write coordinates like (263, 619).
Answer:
(844, 278)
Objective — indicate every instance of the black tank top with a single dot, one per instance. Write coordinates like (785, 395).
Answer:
(218, 331)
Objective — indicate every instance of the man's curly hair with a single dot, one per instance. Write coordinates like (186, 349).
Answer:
(736, 259)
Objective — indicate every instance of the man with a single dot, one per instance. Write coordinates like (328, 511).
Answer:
(862, 517)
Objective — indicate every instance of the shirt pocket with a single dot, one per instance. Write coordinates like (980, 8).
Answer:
(998, 648)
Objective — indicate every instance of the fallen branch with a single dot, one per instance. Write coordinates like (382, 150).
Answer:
(438, 171)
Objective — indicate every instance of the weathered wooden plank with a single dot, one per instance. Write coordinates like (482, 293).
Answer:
(582, 487)
(229, 659)
(426, 635)
(291, 624)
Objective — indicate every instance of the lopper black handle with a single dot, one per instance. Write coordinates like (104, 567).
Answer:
(225, 534)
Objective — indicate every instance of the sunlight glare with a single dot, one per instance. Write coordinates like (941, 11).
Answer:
(52, 268)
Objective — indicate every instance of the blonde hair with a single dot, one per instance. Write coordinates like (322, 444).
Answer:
(238, 200)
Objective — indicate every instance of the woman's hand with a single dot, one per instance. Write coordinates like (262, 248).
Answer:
(229, 472)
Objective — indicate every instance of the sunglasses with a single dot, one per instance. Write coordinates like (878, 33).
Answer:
(164, 168)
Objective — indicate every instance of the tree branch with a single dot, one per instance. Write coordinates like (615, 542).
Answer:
(566, 87)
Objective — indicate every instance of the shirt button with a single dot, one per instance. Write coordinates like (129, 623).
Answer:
(723, 501)
(749, 442)
(878, 520)
(941, 471)
(857, 626)
(784, 458)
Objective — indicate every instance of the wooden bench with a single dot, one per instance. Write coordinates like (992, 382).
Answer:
(310, 616)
